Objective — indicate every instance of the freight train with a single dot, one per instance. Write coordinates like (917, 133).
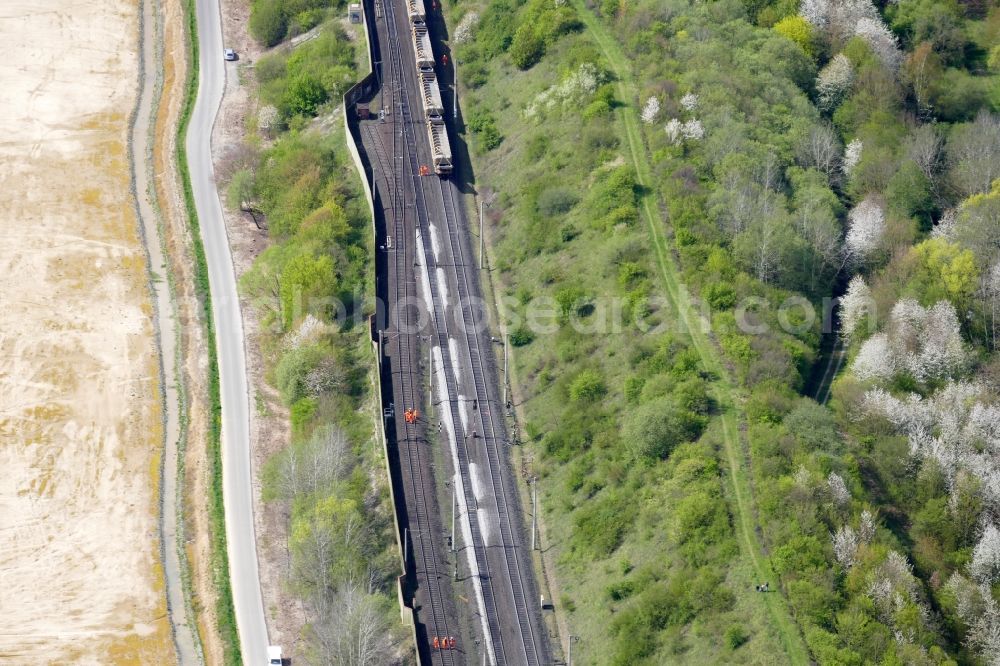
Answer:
(415, 10)
(430, 91)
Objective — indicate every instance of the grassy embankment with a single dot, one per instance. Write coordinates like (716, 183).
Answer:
(723, 389)
(579, 388)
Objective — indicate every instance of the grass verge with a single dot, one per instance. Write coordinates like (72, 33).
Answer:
(723, 389)
(225, 613)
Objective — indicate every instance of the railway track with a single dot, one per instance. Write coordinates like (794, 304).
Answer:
(499, 567)
(493, 635)
(491, 425)
(405, 367)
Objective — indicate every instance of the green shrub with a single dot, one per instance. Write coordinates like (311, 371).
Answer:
(527, 47)
(620, 590)
(556, 201)
(799, 31)
(537, 147)
(629, 273)
(692, 395)
(483, 125)
(601, 524)
(737, 347)
(720, 295)
(292, 369)
(307, 20)
(596, 109)
(633, 388)
(651, 431)
(496, 29)
(613, 189)
(570, 300)
(521, 336)
(304, 95)
(474, 74)
(568, 232)
(268, 23)
(735, 636)
(587, 386)
(626, 215)
(301, 413)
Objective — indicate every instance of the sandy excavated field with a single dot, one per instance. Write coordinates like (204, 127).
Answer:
(80, 419)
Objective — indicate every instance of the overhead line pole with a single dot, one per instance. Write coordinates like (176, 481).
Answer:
(505, 338)
(534, 510)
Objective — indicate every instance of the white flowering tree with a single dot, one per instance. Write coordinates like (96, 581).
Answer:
(673, 130)
(815, 11)
(834, 81)
(838, 489)
(692, 130)
(980, 612)
(927, 341)
(875, 359)
(689, 102)
(679, 132)
(956, 426)
(881, 40)
(856, 303)
(837, 19)
(866, 527)
(924, 342)
(852, 155)
(845, 546)
(945, 228)
(866, 227)
(892, 587)
(985, 565)
(267, 118)
(803, 479)
(466, 27)
(574, 89)
(651, 110)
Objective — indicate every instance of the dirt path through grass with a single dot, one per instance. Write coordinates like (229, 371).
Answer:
(697, 331)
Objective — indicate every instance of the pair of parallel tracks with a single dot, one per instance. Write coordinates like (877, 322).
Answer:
(406, 365)
(487, 420)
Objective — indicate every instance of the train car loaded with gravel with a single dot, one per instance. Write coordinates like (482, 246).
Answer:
(437, 134)
(431, 95)
(415, 10)
(422, 48)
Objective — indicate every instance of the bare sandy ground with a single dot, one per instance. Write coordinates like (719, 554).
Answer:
(80, 419)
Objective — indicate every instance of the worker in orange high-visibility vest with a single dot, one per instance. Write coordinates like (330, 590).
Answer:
(451, 642)
(437, 643)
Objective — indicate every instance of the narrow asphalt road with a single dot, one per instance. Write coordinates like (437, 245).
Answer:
(236, 474)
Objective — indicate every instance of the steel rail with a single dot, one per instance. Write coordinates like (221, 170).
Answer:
(489, 427)
(495, 636)
(424, 551)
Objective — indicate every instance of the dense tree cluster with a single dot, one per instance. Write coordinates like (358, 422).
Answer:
(298, 183)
